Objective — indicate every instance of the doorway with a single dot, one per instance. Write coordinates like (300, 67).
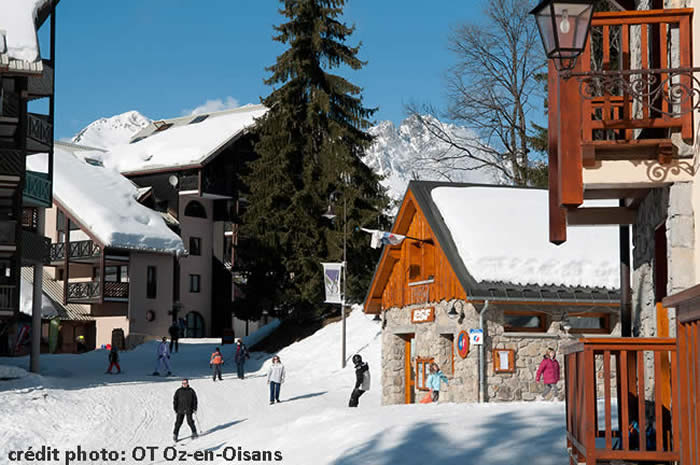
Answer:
(409, 370)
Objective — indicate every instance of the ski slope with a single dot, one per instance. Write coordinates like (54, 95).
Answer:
(73, 403)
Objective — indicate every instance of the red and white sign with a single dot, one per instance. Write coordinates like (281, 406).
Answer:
(423, 315)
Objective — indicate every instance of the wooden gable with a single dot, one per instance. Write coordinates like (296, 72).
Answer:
(412, 272)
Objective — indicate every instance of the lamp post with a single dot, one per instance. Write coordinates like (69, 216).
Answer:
(564, 27)
(331, 215)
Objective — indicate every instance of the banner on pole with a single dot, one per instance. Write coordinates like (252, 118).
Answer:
(332, 273)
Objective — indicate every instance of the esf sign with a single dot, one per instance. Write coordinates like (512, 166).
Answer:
(423, 315)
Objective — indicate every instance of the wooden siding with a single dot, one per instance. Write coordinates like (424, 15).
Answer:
(412, 262)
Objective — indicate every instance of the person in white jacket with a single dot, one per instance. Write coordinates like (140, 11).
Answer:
(275, 378)
(162, 357)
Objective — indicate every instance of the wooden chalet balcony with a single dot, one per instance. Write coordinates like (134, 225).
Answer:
(80, 251)
(622, 400)
(622, 121)
(89, 292)
(37, 189)
(7, 298)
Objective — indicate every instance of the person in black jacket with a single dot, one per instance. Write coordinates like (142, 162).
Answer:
(174, 331)
(184, 403)
(361, 380)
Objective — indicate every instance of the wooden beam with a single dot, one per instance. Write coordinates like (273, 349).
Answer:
(600, 194)
(570, 151)
(557, 214)
(600, 216)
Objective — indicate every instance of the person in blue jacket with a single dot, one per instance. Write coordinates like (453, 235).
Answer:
(434, 379)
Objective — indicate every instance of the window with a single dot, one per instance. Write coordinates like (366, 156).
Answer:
(589, 323)
(195, 246)
(422, 372)
(195, 281)
(151, 287)
(195, 209)
(117, 274)
(199, 119)
(524, 321)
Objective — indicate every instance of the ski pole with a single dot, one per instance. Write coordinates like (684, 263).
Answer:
(199, 424)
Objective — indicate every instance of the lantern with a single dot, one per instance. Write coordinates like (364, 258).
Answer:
(564, 27)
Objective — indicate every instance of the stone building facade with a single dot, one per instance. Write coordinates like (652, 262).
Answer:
(437, 340)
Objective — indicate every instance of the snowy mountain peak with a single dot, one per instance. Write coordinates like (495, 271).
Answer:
(108, 132)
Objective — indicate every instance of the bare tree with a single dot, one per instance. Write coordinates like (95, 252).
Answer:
(491, 90)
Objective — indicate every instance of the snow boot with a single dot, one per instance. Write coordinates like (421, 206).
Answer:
(194, 435)
(155, 373)
(170, 373)
(175, 437)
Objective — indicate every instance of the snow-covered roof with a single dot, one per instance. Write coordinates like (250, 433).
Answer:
(181, 142)
(105, 202)
(501, 235)
(52, 305)
(19, 45)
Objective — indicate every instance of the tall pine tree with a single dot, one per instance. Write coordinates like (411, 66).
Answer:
(310, 146)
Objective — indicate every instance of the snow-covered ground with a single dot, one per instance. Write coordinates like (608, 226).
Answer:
(73, 403)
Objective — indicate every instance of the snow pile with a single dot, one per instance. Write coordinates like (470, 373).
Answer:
(182, 145)
(105, 203)
(408, 153)
(75, 403)
(9, 372)
(17, 20)
(109, 132)
(48, 309)
(502, 235)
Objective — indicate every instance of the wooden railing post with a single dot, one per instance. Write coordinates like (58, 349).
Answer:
(590, 408)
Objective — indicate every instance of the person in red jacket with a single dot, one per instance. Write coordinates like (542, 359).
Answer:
(549, 372)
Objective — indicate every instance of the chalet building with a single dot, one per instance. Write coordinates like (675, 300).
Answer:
(26, 79)
(113, 258)
(474, 250)
(628, 135)
(187, 170)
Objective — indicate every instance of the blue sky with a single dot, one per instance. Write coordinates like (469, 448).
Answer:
(164, 58)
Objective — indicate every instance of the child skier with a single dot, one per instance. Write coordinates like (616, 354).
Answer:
(275, 378)
(113, 358)
(216, 361)
(549, 372)
(433, 382)
(162, 357)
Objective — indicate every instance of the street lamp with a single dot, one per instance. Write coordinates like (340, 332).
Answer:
(330, 214)
(564, 27)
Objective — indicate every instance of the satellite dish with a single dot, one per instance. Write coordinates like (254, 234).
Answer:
(173, 180)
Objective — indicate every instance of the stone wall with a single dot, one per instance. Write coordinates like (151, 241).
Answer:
(670, 207)
(436, 339)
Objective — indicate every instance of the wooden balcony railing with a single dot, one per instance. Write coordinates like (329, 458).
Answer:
(640, 79)
(78, 250)
(37, 189)
(622, 400)
(89, 291)
(7, 299)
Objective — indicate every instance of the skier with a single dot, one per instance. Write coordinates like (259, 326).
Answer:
(275, 378)
(163, 357)
(240, 356)
(113, 360)
(216, 361)
(434, 379)
(174, 332)
(185, 403)
(549, 372)
(362, 379)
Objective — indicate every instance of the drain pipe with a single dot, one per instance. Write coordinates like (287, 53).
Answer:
(482, 377)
